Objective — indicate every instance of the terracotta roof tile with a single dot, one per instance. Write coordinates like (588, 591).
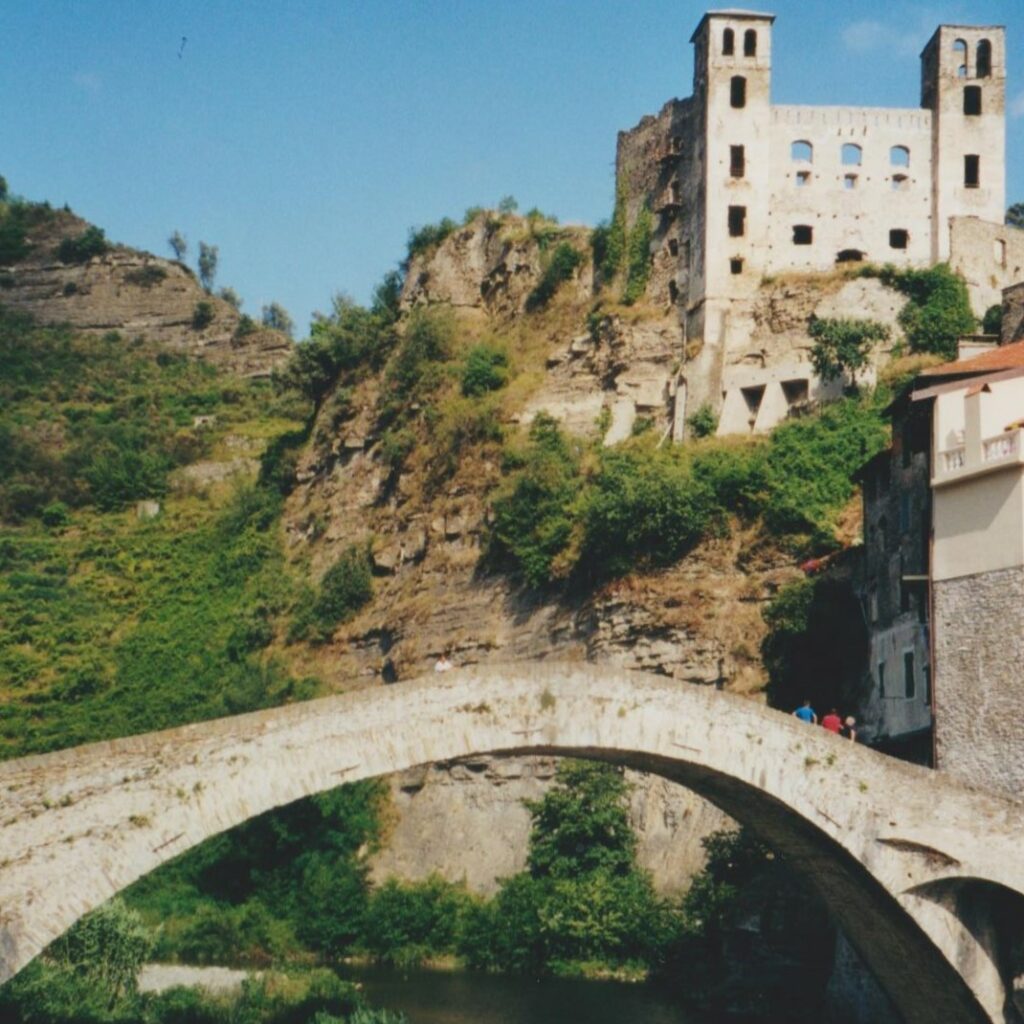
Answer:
(1005, 357)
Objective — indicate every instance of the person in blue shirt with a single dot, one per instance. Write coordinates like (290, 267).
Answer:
(806, 713)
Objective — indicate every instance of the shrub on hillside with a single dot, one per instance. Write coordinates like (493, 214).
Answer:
(345, 588)
(562, 265)
(939, 310)
(843, 346)
(703, 422)
(638, 257)
(484, 369)
(91, 242)
(423, 239)
(202, 315)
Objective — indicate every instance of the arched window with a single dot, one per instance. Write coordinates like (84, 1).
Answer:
(728, 42)
(801, 152)
(852, 155)
(750, 43)
(984, 59)
(899, 156)
(960, 54)
(738, 92)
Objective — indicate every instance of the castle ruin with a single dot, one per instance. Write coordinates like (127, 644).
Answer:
(743, 190)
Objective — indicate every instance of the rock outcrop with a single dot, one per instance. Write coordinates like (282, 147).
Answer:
(135, 294)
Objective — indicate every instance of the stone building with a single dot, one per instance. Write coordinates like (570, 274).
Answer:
(742, 190)
(943, 570)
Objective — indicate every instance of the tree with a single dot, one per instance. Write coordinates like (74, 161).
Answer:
(208, 256)
(178, 244)
(843, 346)
(582, 824)
(232, 298)
(3, 189)
(276, 316)
(508, 204)
(1015, 215)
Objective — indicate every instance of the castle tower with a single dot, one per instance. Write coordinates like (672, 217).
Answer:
(963, 83)
(729, 220)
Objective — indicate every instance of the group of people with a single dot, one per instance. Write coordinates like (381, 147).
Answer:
(840, 726)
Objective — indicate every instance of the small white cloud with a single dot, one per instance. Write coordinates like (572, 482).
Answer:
(1016, 108)
(88, 81)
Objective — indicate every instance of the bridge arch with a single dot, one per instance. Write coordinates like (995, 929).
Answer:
(868, 833)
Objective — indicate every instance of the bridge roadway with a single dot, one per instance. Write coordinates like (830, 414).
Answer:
(923, 874)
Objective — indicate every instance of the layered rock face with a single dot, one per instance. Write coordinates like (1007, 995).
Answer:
(135, 294)
(698, 622)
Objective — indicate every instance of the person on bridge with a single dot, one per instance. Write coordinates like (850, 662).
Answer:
(806, 713)
(832, 722)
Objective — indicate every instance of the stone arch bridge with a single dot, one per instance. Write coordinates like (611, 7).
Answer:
(924, 875)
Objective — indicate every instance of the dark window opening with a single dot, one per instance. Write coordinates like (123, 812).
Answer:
(686, 255)
(972, 171)
(735, 266)
(909, 682)
(737, 221)
(984, 58)
(899, 238)
(927, 673)
(737, 161)
(728, 42)
(972, 100)
(905, 603)
(676, 192)
(881, 679)
(677, 144)
(803, 234)
(750, 43)
(796, 392)
(673, 292)
(673, 246)
(738, 92)
(753, 397)
(849, 256)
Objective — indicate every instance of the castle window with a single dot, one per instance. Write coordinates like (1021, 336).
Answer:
(803, 234)
(737, 161)
(972, 100)
(735, 266)
(900, 182)
(849, 181)
(852, 155)
(999, 251)
(673, 292)
(738, 92)
(899, 156)
(803, 178)
(796, 392)
(960, 54)
(984, 59)
(881, 674)
(909, 680)
(849, 256)
(673, 246)
(801, 152)
(972, 171)
(737, 221)
(728, 42)
(753, 396)
(676, 192)
(899, 238)
(750, 43)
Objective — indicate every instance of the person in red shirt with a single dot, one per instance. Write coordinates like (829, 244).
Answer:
(832, 721)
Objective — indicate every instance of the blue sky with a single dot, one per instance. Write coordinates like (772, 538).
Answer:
(305, 138)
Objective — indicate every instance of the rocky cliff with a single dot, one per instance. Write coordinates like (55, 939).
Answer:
(135, 294)
(698, 622)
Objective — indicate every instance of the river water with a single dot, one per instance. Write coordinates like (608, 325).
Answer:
(439, 997)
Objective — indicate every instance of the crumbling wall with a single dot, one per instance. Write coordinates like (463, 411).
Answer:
(989, 257)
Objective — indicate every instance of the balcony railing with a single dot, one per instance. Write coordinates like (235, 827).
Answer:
(999, 447)
(954, 458)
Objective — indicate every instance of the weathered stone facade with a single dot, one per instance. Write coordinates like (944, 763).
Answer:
(979, 650)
